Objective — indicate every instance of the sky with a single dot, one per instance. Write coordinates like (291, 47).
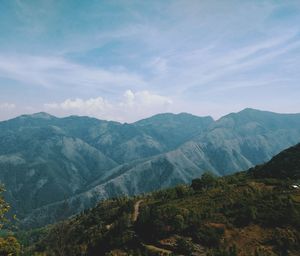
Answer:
(126, 60)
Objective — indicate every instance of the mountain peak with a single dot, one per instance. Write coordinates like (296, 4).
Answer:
(180, 117)
(41, 115)
(250, 110)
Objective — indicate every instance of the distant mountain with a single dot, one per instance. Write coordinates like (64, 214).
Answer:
(42, 165)
(44, 159)
(47, 161)
(240, 140)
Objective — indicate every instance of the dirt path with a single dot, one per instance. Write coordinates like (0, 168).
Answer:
(136, 211)
(156, 249)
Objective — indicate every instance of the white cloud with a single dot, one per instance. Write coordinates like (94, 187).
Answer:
(7, 110)
(131, 107)
(81, 107)
(145, 98)
(7, 106)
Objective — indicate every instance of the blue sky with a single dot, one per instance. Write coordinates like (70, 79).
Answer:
(125, 60)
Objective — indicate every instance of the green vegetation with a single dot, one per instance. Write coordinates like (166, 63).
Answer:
(285, 165)
(241, 214)
(255, 213)
(8, 243)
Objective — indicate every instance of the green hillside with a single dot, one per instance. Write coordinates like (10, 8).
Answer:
(241, 214)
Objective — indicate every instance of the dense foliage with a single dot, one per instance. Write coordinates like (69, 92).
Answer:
(8, 243)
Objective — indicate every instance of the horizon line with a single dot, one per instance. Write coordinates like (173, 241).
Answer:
(151, 116)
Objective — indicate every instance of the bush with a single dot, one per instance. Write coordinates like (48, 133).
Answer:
(209, 236)
(285, 239)
(184, 246)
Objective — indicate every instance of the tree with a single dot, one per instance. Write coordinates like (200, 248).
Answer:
(4, 208)
(8, 244)
(207, 180)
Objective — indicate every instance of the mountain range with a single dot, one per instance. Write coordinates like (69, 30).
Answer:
(48, 164)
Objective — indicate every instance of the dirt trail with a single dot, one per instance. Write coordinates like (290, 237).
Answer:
(150, 247)
(156, 249)
(136, 211)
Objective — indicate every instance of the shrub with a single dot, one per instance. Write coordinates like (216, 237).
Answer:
(207, 180)
(184, 246)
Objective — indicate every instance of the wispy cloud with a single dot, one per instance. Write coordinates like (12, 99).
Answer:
(199, 69)
(54, 72)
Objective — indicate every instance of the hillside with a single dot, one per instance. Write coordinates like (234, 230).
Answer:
(47, 161)
(240, 214)
(285, 165)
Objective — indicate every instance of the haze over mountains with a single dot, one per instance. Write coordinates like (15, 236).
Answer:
(46, 162)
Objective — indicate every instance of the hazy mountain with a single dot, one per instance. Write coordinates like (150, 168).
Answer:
(235, 142)
(240, 140)
(47, 161)
(42, 165)
(44, 159)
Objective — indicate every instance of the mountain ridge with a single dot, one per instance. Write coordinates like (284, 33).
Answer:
(44, 115)
(83, 160)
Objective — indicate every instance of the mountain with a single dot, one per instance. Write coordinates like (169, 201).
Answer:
(240, 140)
(44, 159)
(236, 215)
(47, 162)
(42, 165)
(174, 129)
